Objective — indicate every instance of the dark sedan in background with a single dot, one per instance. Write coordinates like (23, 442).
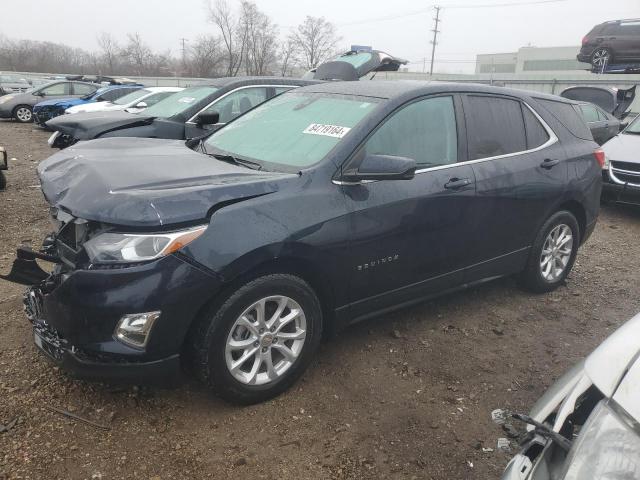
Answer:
(190, 113)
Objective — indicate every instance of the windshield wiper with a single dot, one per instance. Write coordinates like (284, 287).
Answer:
(225, 157)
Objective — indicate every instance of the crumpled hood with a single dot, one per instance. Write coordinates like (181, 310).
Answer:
(86, 126)
(59, 101)
(140, 182)
(624, 147)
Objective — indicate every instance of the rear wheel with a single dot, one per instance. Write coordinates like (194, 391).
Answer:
(552, 253)
(260, 340)
(601, 57)
(23, 114)
(3, 181)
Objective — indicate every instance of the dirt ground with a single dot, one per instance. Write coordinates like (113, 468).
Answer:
(405, 396)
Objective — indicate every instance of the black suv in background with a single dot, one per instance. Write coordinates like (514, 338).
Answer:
(617, 41)
(328, 204)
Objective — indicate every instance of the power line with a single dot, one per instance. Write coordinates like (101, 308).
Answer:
(445, 6)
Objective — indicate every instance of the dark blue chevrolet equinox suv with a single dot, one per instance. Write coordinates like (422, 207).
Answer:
(233, 255)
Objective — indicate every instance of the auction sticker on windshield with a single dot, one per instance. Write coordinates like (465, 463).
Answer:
(326, 130)
(186, 99)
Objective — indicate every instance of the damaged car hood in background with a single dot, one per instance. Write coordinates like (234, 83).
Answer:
(146, 182)
(85, 126)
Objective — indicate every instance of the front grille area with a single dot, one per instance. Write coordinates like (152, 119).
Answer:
(625, 173)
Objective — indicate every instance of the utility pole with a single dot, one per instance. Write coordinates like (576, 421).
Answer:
(184, 53)
(434, 42)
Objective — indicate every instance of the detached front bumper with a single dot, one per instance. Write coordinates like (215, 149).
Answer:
(75, 315)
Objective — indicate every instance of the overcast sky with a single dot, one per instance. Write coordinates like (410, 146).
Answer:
(400, 27)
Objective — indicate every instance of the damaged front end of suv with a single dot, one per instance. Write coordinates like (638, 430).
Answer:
(122, 294)
(587, 425)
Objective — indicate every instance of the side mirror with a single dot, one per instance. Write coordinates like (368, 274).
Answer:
(382, 167)
(141, 105)
(39, 94)
(210, 118)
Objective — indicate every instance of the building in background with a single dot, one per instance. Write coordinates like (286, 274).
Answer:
(532, 60)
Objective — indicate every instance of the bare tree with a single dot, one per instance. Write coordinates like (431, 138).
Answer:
(205, 56)
(109, 50)
(261, 39)
(234, 34)
(317, 39)
(288, 56)
(137, 53)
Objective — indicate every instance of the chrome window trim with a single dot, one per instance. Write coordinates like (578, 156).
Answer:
(552, 140)
(191, 120)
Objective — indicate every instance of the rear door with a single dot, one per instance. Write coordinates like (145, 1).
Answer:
(520, 171)
(627, 41)
(410, 238)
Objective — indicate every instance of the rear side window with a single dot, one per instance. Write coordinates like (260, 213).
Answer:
(495, 126)
(536, 134)
(424, 131)
(568, 116)
(589, 113)
(83, 89)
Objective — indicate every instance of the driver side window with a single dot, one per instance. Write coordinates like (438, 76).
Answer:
(237, 103)
(424, 131)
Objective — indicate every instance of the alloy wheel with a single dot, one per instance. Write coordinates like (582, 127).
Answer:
(600, 57)
(265, 340)
(556, 252)
(24, 114)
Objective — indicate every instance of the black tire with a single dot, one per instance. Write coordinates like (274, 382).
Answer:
(3, 181)
(23, 114)
(208, 340)
(597, 54)
(531, 278)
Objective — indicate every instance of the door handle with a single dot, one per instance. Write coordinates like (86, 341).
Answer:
(456, 183)
(549, 163)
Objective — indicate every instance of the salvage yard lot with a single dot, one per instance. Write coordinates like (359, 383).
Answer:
(406, 396)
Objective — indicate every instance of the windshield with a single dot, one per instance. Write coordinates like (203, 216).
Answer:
(178, 103)
(132, 97)
(291, 131)
(355, 59)
(634, 127)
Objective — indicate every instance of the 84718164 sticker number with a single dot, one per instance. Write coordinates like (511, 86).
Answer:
(335, 131)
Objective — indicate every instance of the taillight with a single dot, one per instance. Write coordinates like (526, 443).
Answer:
(600, 157)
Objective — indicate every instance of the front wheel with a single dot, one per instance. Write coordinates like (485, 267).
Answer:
(260, 340)
(23, 114)
(552, 254)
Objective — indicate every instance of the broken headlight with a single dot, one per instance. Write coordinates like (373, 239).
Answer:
(608, 448)
(132, 247)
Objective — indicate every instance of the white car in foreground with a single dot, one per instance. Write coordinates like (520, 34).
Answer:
(586, 426)
(133, 102)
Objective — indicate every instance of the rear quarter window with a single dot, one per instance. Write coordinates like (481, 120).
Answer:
(569, 116)
(536, 134)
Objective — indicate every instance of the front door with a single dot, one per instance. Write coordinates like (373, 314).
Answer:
(410, 237)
